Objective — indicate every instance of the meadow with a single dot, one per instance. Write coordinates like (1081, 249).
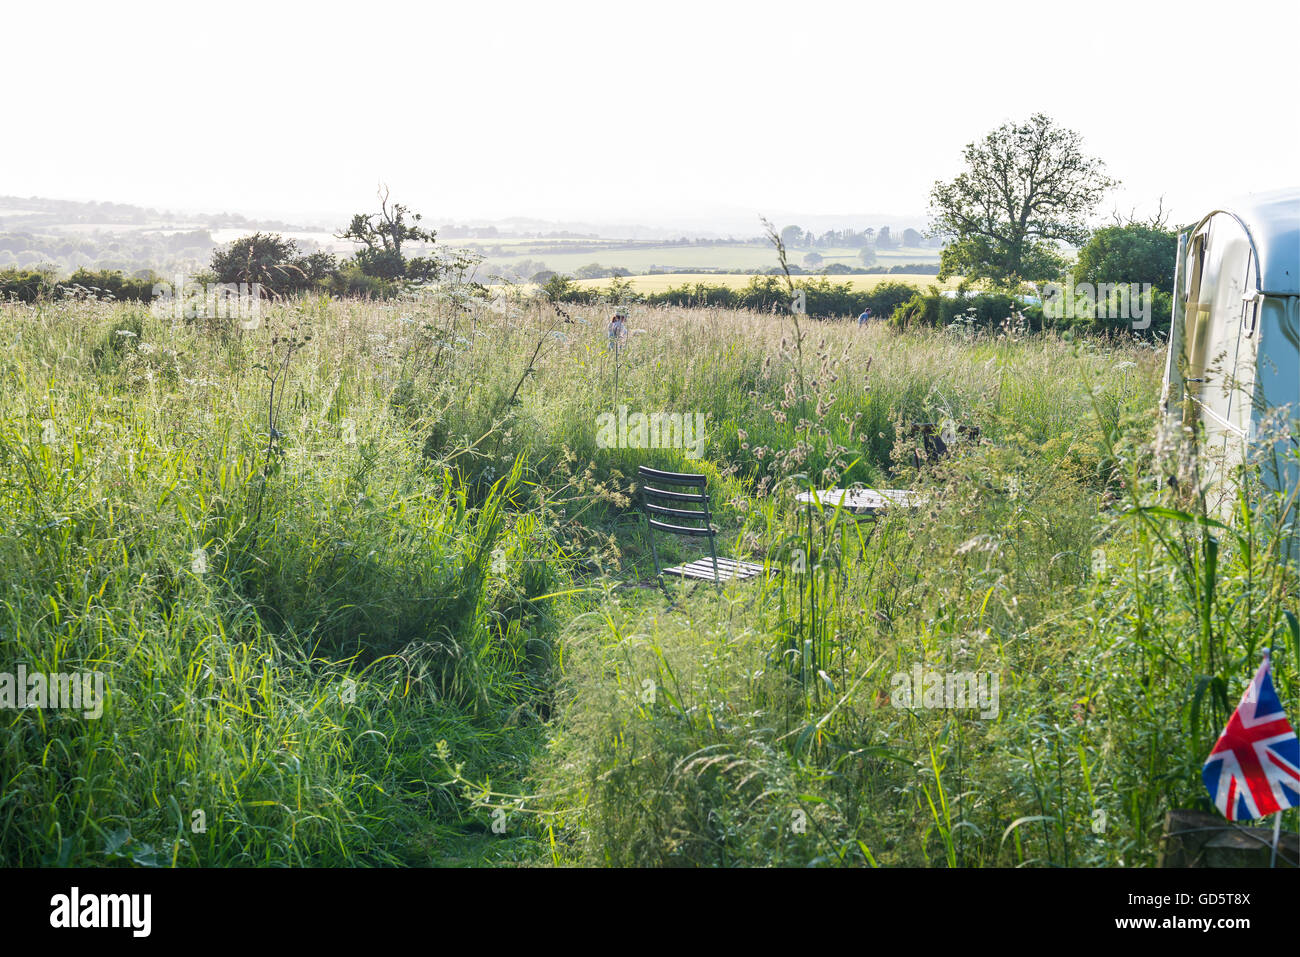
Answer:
(365, 589)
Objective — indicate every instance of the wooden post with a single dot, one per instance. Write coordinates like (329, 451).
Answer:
(1195, 839)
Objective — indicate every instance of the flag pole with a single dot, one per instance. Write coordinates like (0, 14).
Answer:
(1277, 818)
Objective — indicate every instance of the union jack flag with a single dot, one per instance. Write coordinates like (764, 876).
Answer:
(1254, 768)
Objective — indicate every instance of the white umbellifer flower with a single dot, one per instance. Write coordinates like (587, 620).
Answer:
(498, 561)
(981, 543)
(1164, 448)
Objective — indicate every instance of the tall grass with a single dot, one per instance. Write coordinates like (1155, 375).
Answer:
(412, 553)
(285, 629)
(778, 739)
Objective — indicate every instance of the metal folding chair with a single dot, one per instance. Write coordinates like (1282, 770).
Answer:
(665, 487)
(931, 441)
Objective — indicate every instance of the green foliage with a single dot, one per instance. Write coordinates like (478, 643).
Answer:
(1025, 187)
(382, 236)
(979, 311)
(281, 647)
(266, 259)
(822, 298)
(560, 288)
(26, 285)
(1133, 253)
(29, 285)
(760, 726)
(349, 281)
(112, 284)
(327, 613)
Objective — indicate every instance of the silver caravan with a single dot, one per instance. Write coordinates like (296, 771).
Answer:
(1234, 342)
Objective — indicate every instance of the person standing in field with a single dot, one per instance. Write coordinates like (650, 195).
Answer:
(618, 329)
(617, 337)
(865, 317)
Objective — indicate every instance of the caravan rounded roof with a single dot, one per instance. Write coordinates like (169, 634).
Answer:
(1273, 222)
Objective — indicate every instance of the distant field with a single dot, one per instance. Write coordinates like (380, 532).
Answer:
(323, 239)
(738, 257)
(661, 282)
(526, 245)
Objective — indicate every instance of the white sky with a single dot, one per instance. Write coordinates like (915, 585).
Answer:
(651, 112)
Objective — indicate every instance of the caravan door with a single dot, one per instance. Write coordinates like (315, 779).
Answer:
(1216, 279)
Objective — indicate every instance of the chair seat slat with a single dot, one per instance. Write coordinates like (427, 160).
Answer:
(727, 570)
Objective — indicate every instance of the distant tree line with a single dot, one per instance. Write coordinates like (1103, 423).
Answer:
(883, 238)
(29, 285)
(821, 297)
(128, 252)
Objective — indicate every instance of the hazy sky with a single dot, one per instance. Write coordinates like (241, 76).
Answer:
(652, 112)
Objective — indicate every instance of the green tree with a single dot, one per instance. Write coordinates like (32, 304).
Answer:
(267, 259)
(557, 287)
(1025, 188)
(382, 236)
(1130, 253)
(318, 267)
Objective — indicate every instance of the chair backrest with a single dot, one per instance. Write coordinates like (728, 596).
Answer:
(932, 446)
(662, 498)
(666, 505)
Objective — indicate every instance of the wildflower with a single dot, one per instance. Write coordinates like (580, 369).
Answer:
(982, 543)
